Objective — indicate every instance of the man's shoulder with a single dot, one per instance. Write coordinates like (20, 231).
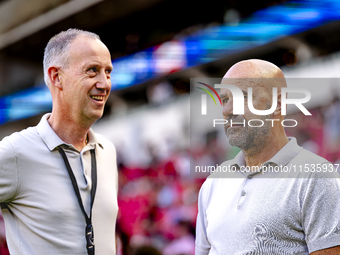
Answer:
(309, 165)
(24, 137)
(13, 145)
(306, 156)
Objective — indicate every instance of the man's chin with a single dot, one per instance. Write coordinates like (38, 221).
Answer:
(95, 115)
(236, 139)
(98, 116)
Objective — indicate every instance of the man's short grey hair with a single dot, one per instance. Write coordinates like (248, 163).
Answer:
(56, 51)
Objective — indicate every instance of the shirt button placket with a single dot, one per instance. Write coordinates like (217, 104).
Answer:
(241, 199)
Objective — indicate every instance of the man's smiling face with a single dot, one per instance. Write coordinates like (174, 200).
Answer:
(86, 81)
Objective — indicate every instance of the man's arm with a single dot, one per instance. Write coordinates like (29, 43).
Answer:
(329, 251)
(320, 213)
(8, 172)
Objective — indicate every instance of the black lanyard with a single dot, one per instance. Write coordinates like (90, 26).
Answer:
(89, 235)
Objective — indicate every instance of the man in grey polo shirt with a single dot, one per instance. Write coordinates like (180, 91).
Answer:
(267, 211)
(43, 213)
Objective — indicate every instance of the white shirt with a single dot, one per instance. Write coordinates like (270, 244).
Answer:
(277, 212)
(40, 208)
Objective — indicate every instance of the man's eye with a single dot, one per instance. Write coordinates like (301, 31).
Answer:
(108, 71)
(225, 100)
(92, 69)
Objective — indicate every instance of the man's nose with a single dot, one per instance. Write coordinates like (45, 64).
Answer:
(104, 81)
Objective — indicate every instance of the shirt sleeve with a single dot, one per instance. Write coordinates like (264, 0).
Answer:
(8, 172)
(321, 212)
(202, 245)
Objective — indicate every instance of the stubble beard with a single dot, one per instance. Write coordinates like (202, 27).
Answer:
(248, 137)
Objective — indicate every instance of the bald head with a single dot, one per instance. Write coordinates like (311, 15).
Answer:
(254, 68)
(258, 74)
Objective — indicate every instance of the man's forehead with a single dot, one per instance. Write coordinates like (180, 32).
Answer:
(257, 88)
(83, 44)
(84, 48)
(240, 83)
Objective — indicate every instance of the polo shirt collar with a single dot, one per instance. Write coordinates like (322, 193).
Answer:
(93, 139)
(281, 158)
(52, 140)
(286, 154)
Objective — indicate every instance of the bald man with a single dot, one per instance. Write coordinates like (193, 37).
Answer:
(58, 180)
(261, 211)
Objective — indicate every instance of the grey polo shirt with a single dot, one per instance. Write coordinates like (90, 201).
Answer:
(269, 213)
(41, 211)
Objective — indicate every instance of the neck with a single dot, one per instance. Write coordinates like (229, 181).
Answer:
(258, 155)
(69, 130)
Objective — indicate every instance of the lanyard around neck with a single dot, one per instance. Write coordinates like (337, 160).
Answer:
(89, 228)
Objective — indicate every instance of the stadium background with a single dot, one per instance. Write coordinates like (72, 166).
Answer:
(147, 116)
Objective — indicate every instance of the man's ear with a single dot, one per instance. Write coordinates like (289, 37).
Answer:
(278, 107)
(55, 77)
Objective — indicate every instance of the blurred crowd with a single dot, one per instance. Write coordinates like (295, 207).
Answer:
(158, 206)
(320, 133)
